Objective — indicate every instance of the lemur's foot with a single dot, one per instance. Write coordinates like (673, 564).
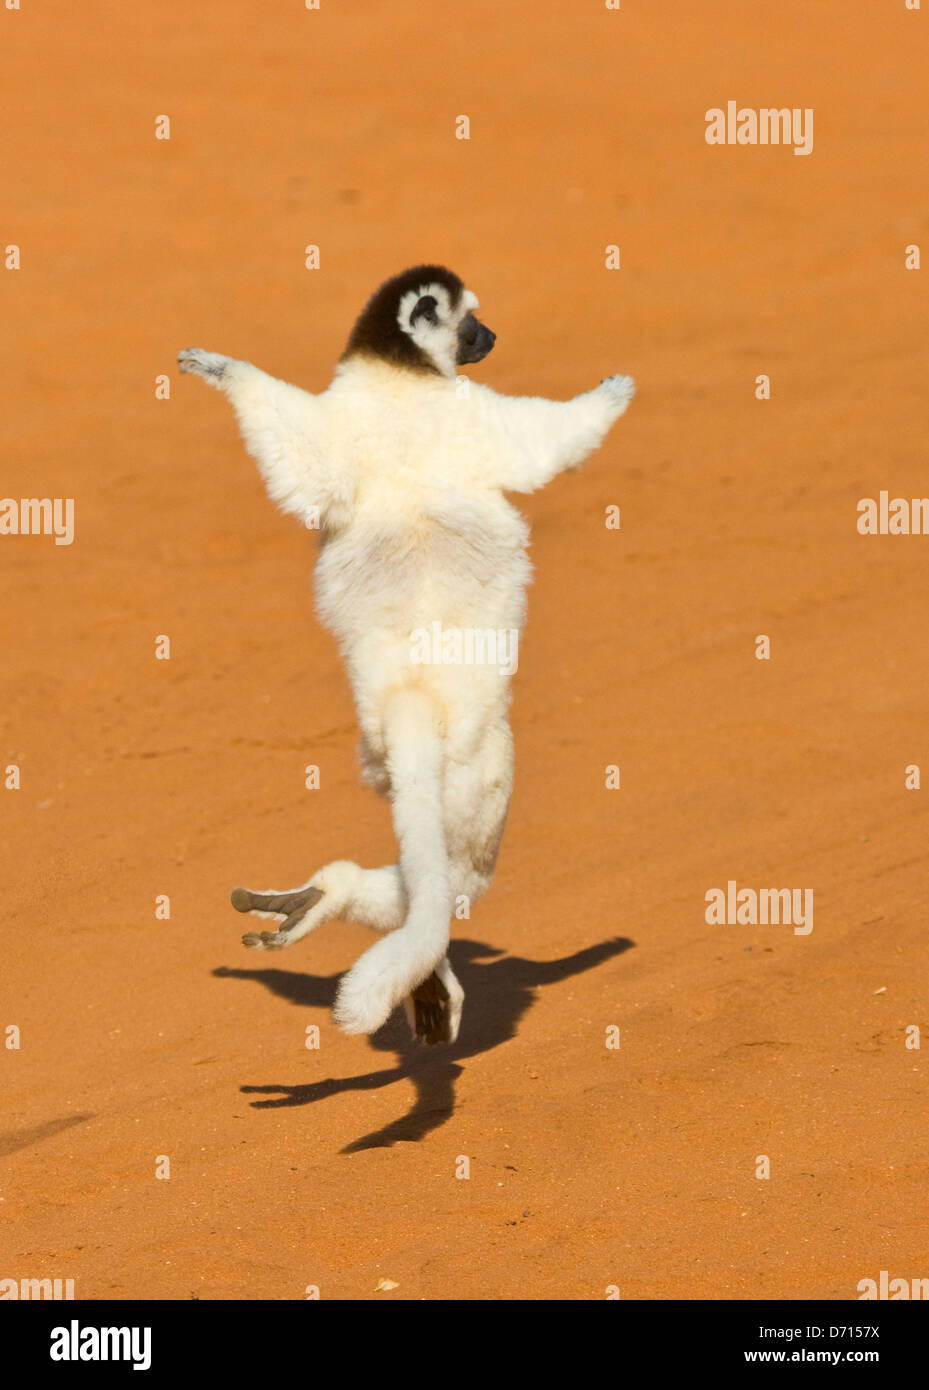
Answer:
(265, 940)
(621, 388)
(210, 365)
(431, 1018)
(291, 907)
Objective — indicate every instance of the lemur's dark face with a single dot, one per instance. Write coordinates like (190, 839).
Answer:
(474, 340)
(422, 320)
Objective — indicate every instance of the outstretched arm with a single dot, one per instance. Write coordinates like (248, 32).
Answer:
(536, 439)
(284, 430)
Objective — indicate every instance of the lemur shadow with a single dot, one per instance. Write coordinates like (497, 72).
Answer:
(498, 993)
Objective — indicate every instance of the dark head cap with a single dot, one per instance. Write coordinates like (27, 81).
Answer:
(421, 320)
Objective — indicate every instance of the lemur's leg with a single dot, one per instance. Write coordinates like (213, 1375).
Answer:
(374, 897)
(433, 1010)
(475, 798)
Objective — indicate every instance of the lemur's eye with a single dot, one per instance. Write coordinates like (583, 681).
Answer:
(425, 309)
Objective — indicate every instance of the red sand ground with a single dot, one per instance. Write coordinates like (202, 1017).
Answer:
(140, 1037)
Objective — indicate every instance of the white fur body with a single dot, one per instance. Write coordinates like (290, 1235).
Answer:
(408, 472)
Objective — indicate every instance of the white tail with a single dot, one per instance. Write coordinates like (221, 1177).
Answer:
(388, 972)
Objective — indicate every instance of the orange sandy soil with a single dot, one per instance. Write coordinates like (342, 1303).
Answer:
(140, 1037)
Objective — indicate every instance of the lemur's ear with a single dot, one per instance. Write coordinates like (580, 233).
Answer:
(425, 309)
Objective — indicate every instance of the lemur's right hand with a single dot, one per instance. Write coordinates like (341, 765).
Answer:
(620, 389)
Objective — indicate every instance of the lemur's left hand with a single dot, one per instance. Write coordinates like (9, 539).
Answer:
(210, 365)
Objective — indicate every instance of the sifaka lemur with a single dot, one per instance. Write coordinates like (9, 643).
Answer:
(405, 465)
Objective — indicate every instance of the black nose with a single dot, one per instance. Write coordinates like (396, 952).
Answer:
(475, 341)
(483, 342)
